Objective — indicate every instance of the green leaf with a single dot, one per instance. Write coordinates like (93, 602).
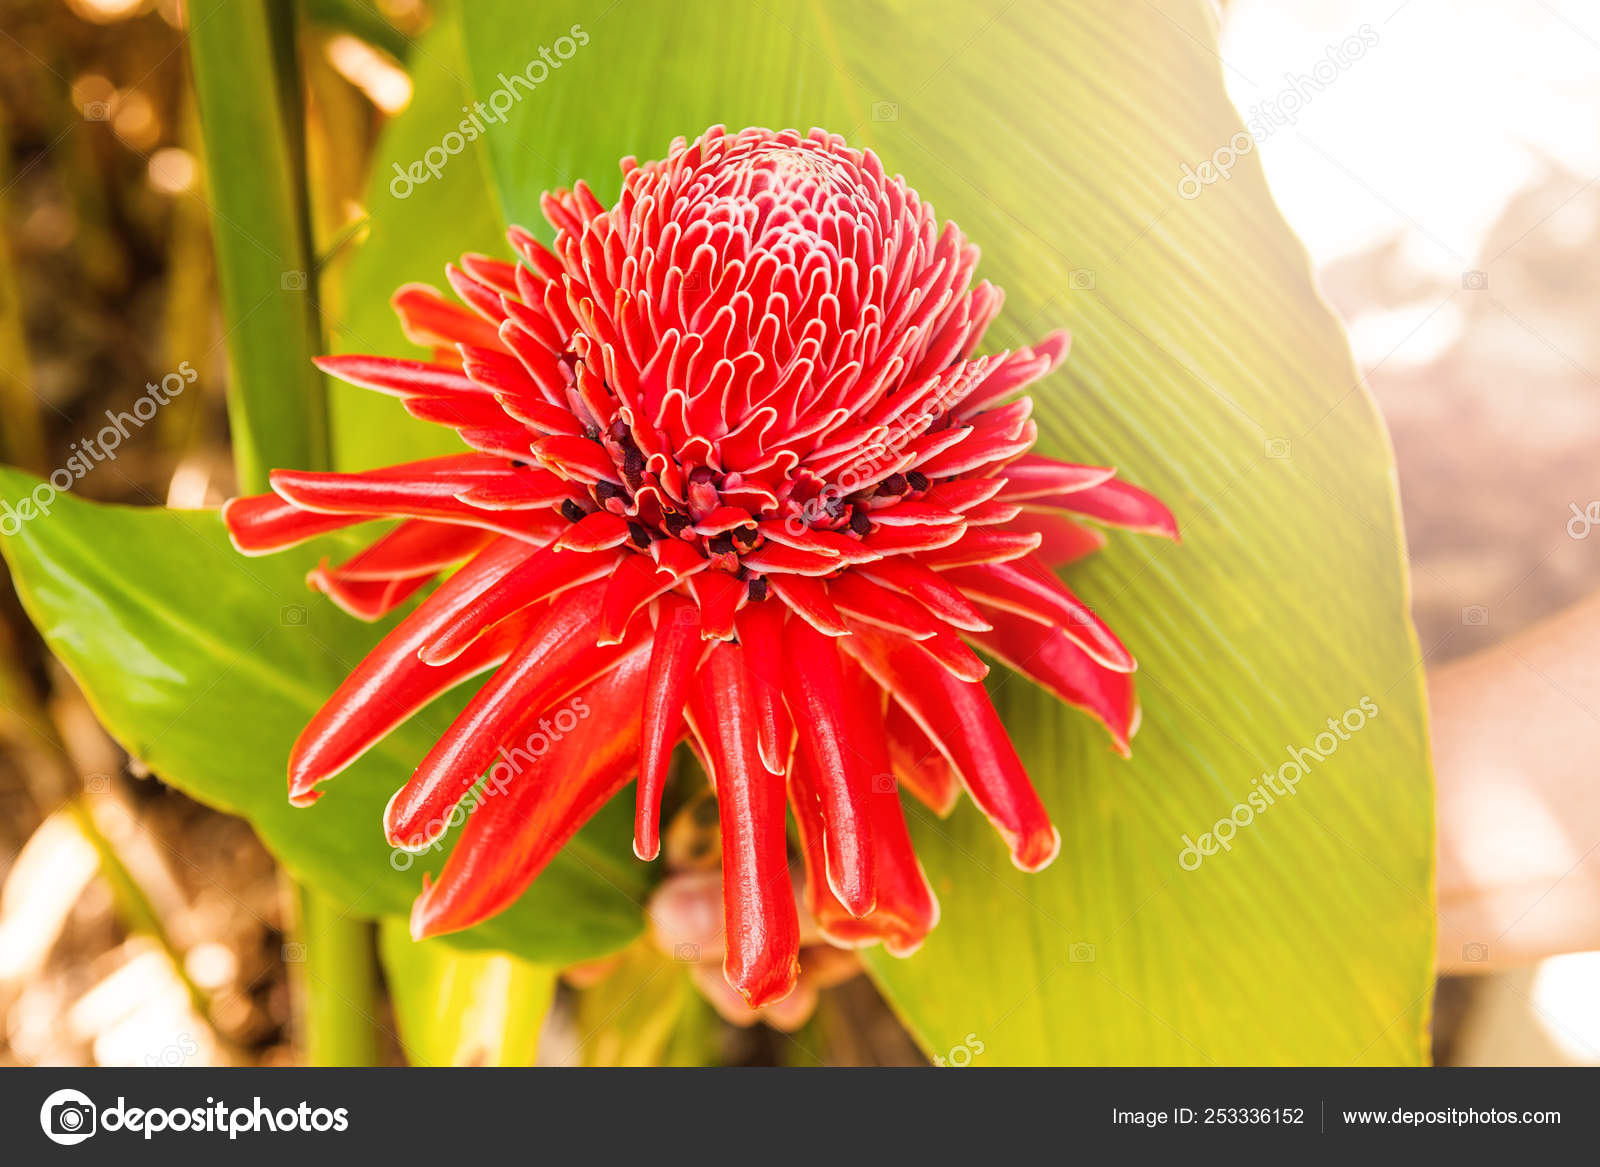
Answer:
(463, 1008)
(205, 665)
(1055, 134)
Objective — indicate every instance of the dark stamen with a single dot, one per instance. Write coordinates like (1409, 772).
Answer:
(859, 523)
(758, 588)
(632, 463)
(676, 522)
(722, 545)
(894, 484)
(918, 480)
(641, 537)
(571, 510)
(746, 535)
(606, 491)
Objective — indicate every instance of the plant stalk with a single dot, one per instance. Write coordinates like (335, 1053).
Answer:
(247, 86)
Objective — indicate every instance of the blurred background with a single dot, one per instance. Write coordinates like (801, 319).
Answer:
(1445, 180)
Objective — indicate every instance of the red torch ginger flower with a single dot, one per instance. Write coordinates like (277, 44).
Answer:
(735, 472)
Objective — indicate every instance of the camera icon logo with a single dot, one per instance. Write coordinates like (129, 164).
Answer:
(1475, 952)
(885, 111)
(294, 281)
(1080, 279)
(68, 1117)
(884, 784)
(1081, 953)
(1475, 616)
(97, 111)
(1474, 281)
(687, 953)
(292, 616)
(1278, 449)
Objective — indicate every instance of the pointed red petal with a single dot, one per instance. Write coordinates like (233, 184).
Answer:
(1117, 504)
(533, 802)
(1063, 541)
(1048, 656)
(1030, 589)
(391, 683)
(809, 599)
(958, 716)
(917, 762)
(674, 654)
(929, 588)
(557, 657)
(763, 929)
(548, 573)
(720, 597)
(760, 631)
(260, 524)
(1031, 476)
(845, 755)
(400, 378)
(982, 545)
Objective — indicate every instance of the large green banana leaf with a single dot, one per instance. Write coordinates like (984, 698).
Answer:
(1204, 365)
(1207, 368)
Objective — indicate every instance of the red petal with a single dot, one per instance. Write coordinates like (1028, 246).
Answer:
(809, 599)
(720, 597)
(675, 652)
(844, 754)
(634, 582)
(958, 716)
(548, 573)
(557, 657)
(365, 599)
(429, 319)
(260, 524)
(528, 811)
(760, 631)
(1031, 476)
(1117, 504)
(917, 762)
(391, 683)
(982, 545)
(1030, 589)
(763, 929)
(1049, 657)
(864, 600)
(928, 587)
(401, 378)
(1063, 541)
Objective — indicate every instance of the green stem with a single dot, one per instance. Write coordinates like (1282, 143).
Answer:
(247, 87)
(333, 973)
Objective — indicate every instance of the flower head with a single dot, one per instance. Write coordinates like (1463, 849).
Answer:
(734, 473)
